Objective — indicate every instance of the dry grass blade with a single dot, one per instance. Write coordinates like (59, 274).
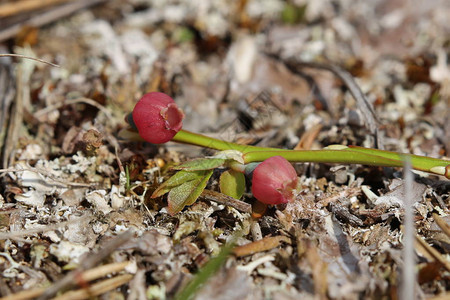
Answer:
(104, 270)
(15, 121)
(433, 252)
(74, 101)
(46, 17)
(91, 261)
(96, 289)
(442, 224)
(18, 7)
(25, 295)
(307, 139)
(28, 57)
(89, 275)
(7, 94)
(347, 193)
(363, 104)
(361, 100)
(319, 268)
(265, 244)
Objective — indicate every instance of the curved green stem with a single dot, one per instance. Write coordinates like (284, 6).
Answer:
(422, 163)
(187, 137)
(324, 156)
(331, 154)
(372, 157)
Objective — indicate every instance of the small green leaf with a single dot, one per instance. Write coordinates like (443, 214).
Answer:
(207, 271)
(232, 183)
(292, 14)
(177, 179)
(201, 164)
(187, 193)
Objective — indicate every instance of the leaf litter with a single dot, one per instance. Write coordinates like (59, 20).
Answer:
(243, 72)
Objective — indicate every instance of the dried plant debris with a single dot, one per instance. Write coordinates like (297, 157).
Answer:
(76, 213)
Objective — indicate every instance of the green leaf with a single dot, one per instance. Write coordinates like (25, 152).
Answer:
(177, 179)
(232, 183)
(207, 271)
(292, 14)
(201, 164)
(187, 193)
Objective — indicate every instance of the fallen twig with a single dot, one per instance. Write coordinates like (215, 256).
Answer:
(91, 260)
(96, 289)
(226, 200)
(74, 101)
(363, 104)
(433, 253)
(89, 275)
(442, 224)
(260, 245)
(49, 16)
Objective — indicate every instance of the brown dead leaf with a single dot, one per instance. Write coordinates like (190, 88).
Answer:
(319, 269)
(265, 244)
(308, 137)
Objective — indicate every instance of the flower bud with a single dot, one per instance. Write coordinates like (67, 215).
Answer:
(274, 181)
(157, 118)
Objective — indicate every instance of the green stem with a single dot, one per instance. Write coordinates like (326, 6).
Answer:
(421, 163)
(348, 156)
(332, 154)
(187, 137)
(324, 156)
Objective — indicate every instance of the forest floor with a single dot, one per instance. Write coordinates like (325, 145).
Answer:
(75, 196)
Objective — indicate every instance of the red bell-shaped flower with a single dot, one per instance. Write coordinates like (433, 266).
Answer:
(274, 181)
(157, 117)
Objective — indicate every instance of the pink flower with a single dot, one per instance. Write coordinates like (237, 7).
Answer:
(157, 118)
(274, 181)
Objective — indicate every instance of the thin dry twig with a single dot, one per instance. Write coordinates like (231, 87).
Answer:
(28, 57)
(96, 289)
(343, 213)
(347, 193)
(50, 108)
(18, 7)
(226, 200)
(91, 261)
(308, 138)
(15, 121)
(363, 104)
(89, 275)
(433, 252)
(442, 224)
(7, 95)
(49, 16)
(104, 270)
(25, 295)
(265, 244)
